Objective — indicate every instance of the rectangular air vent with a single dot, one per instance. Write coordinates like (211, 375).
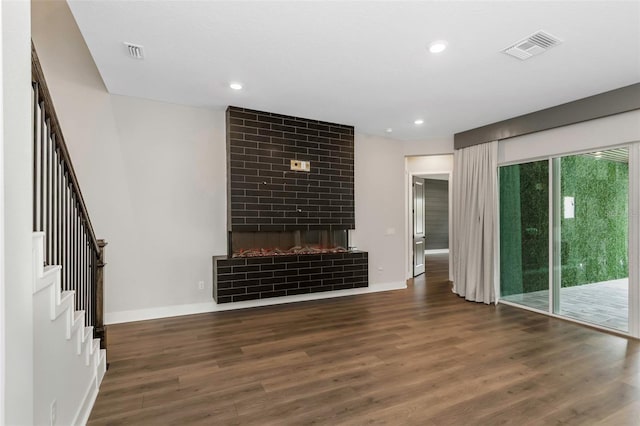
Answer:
(135, 50)
(532, 45)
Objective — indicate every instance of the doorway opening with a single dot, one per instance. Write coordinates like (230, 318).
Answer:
(428, 210)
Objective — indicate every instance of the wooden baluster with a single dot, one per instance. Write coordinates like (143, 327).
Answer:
(41, 168)
(36, 103)
(101, 331)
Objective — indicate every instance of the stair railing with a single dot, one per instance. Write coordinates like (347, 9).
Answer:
(60, 212)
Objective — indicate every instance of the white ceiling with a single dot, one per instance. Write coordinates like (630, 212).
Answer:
(364, 63)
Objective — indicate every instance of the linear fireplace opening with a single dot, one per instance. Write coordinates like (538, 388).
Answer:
(254, 244)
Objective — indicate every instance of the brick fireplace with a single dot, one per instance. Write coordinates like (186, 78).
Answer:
(290, 206)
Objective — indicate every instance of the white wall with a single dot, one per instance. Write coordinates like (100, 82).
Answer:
(607, 131)
(379, 174)
(2, 319)
(425, 164)
(174, 169)
(18, 308)
(382, 193)
(440, 146)
(153, 174)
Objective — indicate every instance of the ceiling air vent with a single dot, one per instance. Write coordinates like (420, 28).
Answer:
(534, 44)
(135, 50)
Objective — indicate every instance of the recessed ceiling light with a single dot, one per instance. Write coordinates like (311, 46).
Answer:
(236, 86)
(389, 130)
(418, 121)
(437, 46)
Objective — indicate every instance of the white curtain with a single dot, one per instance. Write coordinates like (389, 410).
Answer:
(475, 221)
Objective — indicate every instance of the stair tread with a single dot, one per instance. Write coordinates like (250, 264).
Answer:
(50, 269)
(67, 293)
(78, 316)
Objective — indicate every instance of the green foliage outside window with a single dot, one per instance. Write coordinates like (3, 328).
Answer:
(594, 242)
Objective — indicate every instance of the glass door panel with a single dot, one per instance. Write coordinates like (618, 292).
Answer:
(524, 234)
(591, 237)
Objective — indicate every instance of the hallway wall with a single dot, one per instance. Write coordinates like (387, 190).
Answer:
(437, 214)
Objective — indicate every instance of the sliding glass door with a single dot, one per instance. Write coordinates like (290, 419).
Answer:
(564, 236)
(591, 237)
(524, 234)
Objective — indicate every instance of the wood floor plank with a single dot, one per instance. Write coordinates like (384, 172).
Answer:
(420, 356)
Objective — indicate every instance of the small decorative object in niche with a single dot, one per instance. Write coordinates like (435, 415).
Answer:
(300, 166)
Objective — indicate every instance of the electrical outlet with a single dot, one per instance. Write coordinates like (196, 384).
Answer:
(53, 413)
(200, 285)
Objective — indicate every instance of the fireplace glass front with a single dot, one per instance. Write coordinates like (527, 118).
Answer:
(253, 244)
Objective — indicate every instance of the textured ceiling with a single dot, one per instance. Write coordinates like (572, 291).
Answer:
(364, 63)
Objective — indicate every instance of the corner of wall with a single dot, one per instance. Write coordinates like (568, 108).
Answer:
(16, 170)
(2, 260)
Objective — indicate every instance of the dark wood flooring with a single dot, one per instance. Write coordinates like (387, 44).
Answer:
(418, 356)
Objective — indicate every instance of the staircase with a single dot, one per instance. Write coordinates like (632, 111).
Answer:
(61, 337)
(68, 323)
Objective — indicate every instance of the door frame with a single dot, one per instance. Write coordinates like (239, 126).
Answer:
(633, 239)
(415, 180)
(409, 216)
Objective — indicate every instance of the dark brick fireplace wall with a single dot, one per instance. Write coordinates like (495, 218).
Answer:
(251, 278)
(265, 195)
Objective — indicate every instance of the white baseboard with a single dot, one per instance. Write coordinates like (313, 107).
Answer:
(200, 308)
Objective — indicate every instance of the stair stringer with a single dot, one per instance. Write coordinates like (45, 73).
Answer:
(68, 362)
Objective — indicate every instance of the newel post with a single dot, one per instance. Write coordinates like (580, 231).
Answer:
(101, 332)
